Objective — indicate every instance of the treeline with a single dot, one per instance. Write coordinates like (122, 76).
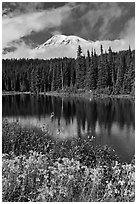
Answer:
(110, 73)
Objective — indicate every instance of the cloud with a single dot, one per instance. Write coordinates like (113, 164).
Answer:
(128, 34)
(56, 32)
(13, 28)
(24, 51)
(116, 45)
(102, 23)
(98, 21)
(16, 8)
(106, 13)
(21, 51)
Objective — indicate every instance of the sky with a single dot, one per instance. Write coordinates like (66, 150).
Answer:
(28, 24)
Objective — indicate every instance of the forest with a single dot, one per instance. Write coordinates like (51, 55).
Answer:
(108, 73)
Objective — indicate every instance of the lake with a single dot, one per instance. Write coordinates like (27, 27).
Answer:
(108, 121)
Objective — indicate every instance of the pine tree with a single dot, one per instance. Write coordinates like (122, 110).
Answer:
(91, 75)
(129, 79)
(17, 86)
(120, 75)
(102, 71)
(115, 69)
(32, 80)
(80, 69)
(95, 65)
(62, 77)
(88, 71)
(111, 74)
(38, 80)
(52, 67)
(58, 77)
(88, 59)
(44, 80)
(79, 51)
(73, 73)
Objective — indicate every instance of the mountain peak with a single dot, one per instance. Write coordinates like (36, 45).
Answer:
(62, 46)
(58, 40)
(59, 46)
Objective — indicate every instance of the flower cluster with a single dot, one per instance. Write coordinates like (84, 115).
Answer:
(36, 178)
(37, 169)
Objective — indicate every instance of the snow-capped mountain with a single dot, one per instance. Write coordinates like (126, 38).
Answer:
(66, 46)
(58, 40)
(63, 46)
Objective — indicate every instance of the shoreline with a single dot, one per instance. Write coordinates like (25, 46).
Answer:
(86, 95)
(6, 93)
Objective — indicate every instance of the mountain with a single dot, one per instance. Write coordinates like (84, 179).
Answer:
(58, 40)
(60, 46)
(66, 46)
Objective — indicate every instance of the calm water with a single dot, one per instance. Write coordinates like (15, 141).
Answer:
(109, 121)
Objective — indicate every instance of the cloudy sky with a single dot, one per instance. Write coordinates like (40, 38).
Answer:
(26, 25)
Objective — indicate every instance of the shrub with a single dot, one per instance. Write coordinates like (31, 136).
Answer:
(20, 140)
(37, 178)
(121, 187)
(36, 168)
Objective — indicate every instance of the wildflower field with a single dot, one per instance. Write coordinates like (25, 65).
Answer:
(39, 168)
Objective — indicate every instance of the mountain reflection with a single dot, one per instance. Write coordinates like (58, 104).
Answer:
(110, 121)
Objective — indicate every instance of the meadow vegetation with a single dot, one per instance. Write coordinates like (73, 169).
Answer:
(39, 168)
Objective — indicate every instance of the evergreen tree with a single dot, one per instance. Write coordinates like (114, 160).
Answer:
(44, 80)
(88, 59)
(33, 82)
(95, 65)
(80, 69)
(79, 51)
(91, 75)
(38, 80)
(112, 69)
(73, 73)
(58, 77)
(102, 71)
(120, 74)
(129, 79)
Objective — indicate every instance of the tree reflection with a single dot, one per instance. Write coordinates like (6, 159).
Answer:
(87, 113)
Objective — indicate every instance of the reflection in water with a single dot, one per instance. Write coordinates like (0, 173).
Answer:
(110, 121)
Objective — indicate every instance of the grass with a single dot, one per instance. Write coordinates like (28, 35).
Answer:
(38, 168)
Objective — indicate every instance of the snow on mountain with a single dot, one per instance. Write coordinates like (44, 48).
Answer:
(64, 46)
(57, 40)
